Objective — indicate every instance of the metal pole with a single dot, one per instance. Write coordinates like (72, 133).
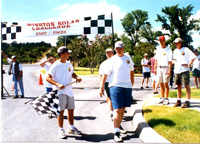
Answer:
(113, 31)
(1, 66)
(65, 40)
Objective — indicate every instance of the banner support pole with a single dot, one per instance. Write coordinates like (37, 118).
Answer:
(113, 40)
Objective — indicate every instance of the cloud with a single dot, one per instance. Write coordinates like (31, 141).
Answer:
(90, 9)
(196, 16)
(62, 7)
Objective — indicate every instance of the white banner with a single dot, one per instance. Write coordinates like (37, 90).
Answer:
(88, 25)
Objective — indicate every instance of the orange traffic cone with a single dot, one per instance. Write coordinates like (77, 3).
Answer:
(12, 87)
(40, 80)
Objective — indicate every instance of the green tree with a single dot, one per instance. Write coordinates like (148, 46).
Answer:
(132, 23)
(178, 19)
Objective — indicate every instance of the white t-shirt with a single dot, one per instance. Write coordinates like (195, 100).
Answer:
(144, 68)
(102, 67)
(196, 63)
(47, 68)
(182, 56)
(62, 73)
(119, 69)
(13, 66)
(163, 56)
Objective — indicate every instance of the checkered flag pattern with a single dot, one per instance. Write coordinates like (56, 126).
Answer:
(47, 103)
(100, 25)
(10, 30)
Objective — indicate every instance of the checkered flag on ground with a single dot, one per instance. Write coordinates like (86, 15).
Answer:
(47, 103)
(100, 25)
(10, 30)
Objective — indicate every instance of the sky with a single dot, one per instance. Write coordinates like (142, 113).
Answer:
(46, 10)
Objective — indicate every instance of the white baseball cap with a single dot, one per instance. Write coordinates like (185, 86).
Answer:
(178, 40)
(109, 49)
(13, 57)
(119, 44)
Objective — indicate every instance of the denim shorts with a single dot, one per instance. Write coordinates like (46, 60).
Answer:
(120, 97)
(146, 74)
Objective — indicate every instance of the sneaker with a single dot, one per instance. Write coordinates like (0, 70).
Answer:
(177, 104)
(117, 137)
(75, 131)
(15, 97)
(186, 104)
(111, 117)
(62, 134)
(142, 87)
(155, 92)
(146, 86)
(121, 130)
(22, 96)
(161, 100)
(166, 102)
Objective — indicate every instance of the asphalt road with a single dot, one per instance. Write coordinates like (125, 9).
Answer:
(21, 123)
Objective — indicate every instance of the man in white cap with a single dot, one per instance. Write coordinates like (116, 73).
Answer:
(102, 67)
(145, 70)
(15, 69)
(121, 73)
(61, 74)
(184, 58)
(163, 64)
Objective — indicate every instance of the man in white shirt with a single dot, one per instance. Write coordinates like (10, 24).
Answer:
(196, 68)
(102, 67)
(121, 73)
(184, 58)
(163, 64)
(15, 69)
(61, 74)
(47, 85)
(145, 70)
(46, 65)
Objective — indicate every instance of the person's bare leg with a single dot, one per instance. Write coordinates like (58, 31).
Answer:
(70, 116)
(60, 119)
(166, 90)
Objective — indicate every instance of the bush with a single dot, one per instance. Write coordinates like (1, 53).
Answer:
(83, 62)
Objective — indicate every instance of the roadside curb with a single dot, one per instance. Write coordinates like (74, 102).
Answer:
(142, 129)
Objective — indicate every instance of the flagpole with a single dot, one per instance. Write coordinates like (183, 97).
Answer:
(1, 66)
(113, 31)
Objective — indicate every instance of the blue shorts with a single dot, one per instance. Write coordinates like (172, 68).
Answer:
(48, 89)
(146, 74)
(120, 97)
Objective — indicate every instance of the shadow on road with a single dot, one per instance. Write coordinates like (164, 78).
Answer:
(94, 137)
(82, 117)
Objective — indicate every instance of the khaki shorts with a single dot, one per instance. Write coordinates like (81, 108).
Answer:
(154, 77)
(182, 78)
(66, 102)
(162, 75)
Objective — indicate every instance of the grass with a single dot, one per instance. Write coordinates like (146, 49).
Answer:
(175, 124)
(85, 71)
(195, 94)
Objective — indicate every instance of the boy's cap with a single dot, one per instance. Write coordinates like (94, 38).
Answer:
(119, 44)
(63, 49)
(178, 40)
(109, 49)
(162, 38)
(13, 57)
